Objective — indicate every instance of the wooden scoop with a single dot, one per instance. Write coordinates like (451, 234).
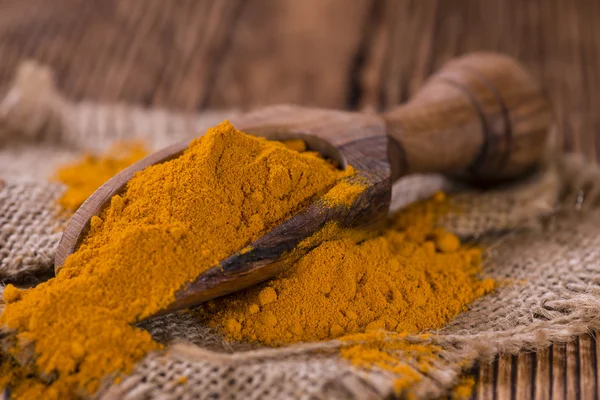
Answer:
(482, 118)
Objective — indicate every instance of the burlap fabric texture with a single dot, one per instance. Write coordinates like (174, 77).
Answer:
(542, 236)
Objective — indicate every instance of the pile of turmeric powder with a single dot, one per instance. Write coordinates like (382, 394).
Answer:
(411, 278)
(179, 218)
(173, 221)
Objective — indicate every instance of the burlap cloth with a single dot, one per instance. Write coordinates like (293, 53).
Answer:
(542, 236)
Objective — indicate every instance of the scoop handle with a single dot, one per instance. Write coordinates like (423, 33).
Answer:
(482, 117)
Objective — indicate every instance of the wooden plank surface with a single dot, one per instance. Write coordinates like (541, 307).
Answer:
(562, 371)
(524, 388)
(364, 54)
(543, 375)
(587, 362)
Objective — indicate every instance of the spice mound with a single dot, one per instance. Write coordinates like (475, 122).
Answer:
(375, 296)
(411, 278)
(173, 221)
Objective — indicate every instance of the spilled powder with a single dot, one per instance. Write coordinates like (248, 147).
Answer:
(84, 176)
(464, 389)
(391, 352)
(413, 277)
(173, 221)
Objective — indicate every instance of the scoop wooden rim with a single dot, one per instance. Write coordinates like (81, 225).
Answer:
(482, 118)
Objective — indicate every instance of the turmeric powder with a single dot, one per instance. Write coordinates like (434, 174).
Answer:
(391, 352)
(179, 218)
(174, 220)
(370, 294)
(405, 280)
(84, 176)
(464, 389)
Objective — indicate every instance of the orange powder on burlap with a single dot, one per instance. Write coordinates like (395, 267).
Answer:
(174, 221)
(411, 278)
(372, 294)
(84, 176)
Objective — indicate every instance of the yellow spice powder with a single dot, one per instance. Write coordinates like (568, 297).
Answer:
(84, 176)
(404, 280)
(173, 221)
(371, 294)
(393, 353)
(464, 389)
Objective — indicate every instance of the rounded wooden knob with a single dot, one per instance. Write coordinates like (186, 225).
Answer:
(481, 117)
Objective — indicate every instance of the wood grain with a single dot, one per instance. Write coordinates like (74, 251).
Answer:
(572, 378)
(524, 388)
(151, 52)
(285, 50)
(587, 367)
(542, 387)
(486, 382)
(504, 376)
(369, 56)
(562, 371)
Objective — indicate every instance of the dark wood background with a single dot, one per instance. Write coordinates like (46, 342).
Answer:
(354, 54)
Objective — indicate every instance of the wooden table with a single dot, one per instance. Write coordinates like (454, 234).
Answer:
(359, 54)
